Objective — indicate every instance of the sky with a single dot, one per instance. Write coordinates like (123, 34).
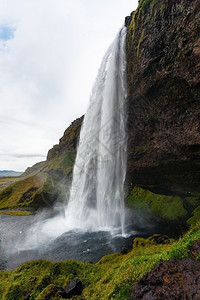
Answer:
(50, 52)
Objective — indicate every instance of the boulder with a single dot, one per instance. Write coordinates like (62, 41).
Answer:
(174, 279)
(74, 288)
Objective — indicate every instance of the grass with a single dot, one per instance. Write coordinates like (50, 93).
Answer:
(15, 212)
(111, 278)
(6, 181)
(21, 193)
(195, 218)
(63, 162)
(39, 187)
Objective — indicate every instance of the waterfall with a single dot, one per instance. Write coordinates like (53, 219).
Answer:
(97, 193)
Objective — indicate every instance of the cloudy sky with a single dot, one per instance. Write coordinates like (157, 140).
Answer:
(50, 52)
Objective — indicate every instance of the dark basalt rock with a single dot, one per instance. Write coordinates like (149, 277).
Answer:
(127, 21)
(195, 249)
(74, 288)
(173, 279)
(163, 62)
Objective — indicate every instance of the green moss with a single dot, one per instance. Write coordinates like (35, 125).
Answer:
(195, 218)
(192, 201)
(111, 278)
(166, 207)
(142, 37)
(144, 5)
(16, 212)
(22, 192)
(48, 292)
(15, 292)
(182, 247)
(63, 162)
(155, 239)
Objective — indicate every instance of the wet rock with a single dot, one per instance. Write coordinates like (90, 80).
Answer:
(157, 239)
(195, 249)
(128, 21)
(74, 288)
(173, 279)
(28, 296)
(124, 251)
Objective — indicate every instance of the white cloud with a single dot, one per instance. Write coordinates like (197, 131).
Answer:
(47, 69)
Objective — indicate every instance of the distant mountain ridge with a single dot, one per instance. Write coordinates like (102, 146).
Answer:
(4, 173)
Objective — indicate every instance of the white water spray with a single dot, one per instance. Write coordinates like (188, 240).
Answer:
(97, 193)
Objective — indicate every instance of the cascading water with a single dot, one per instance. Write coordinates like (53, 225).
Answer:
(97, 194)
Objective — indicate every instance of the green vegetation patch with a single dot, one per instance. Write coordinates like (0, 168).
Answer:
(166, 207)
(144, 5)
(40, 187)
(21, 193)
(63, 162)
(6, 181)
(111, 278)
(195, 218)
(15, 212)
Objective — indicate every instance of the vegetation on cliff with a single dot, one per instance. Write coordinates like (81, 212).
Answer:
(178, 207)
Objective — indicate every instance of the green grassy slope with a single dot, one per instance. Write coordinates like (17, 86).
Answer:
(111, 278)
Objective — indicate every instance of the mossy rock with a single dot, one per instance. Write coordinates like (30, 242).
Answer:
(155, 239)
(195, 218)
(162, 206)
(50, 292)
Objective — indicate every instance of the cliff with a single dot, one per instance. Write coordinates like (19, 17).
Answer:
(163, 57)
(47, 181)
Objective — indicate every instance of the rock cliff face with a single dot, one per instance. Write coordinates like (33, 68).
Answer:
(163, 56)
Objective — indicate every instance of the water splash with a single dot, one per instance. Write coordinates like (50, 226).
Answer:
(97, 193)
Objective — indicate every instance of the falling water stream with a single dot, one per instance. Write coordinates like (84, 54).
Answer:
(97, 193)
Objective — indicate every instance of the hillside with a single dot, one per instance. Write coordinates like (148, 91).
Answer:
(6, 173)
(47, 181)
